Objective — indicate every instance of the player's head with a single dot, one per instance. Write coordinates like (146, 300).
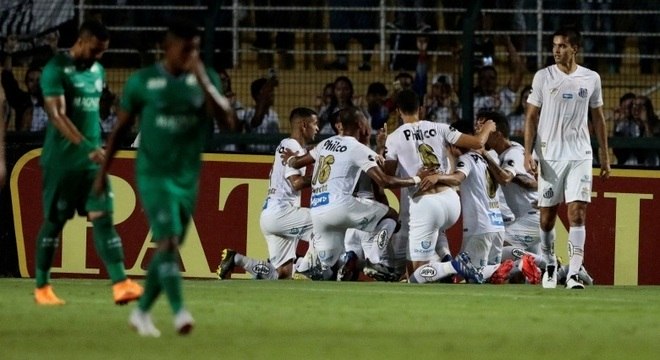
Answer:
(502, 128)
(565, 44)
(93, 41)
(353, 121)
(306, 120)
(181, 45)
(407, 102)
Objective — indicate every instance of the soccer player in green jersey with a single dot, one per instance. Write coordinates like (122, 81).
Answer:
(174, 100)
(72, 83)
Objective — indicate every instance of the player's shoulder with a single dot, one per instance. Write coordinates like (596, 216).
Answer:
(290, 143)
(584, 71)
(58, 62)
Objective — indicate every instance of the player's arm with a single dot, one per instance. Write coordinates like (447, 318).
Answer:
(386, 181)
(217, 105)
(56, 108)
(290, 159)
(500, 175)
(531, 125)
(299, 182)
(265, 100)
(600, 130)
(454, 179)
(125, 122)
(525, 181)
(478, 140)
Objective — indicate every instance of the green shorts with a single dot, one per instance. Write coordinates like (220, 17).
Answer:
(66, 192)
(169, 207)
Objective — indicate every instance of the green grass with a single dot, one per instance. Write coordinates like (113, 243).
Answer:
(243, 319)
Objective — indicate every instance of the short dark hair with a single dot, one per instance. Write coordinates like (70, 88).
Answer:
(94, 28)
(403, 75)
(407, 102)
(30, 70)
(182, 29)
(571, 33)
(255, 87)
(348, 117)
(501, 122)
(464, 126)
(377, 88)
(301, 113)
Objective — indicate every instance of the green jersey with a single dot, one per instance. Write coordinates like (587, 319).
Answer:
(82, 90)
(173, 123)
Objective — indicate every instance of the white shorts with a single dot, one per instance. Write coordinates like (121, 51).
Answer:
(331, 222)
(430, 214)
(283, 226)
(524, 232)
(568, 181)
(478, 246)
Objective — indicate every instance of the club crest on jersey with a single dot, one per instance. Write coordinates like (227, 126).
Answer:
(426, 244)
(582, 92)
(548, 193)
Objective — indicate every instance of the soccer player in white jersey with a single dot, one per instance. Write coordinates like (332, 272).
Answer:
(339, 160)
(283, 221)
(421, 144)
(519, 188)
(556, 129)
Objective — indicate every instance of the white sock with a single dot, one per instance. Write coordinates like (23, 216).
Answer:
(576, 239)
(378, 251)
(488, 270)
(432, 271)
(258, 268)
(548, 245)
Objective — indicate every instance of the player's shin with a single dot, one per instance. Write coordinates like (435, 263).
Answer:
(47, 242)
(576, 239)
(259, 269)
(380, 241)
(432, 272)
(170, 279)
(109, 247)
(548, 246)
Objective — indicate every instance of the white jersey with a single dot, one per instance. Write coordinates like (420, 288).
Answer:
(564, 99)
(481, 209)
(339, 161)
(419, 144)
(279, 188)
(520, 200)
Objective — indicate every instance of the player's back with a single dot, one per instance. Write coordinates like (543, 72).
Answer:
(420, 144)
(519, 199)
(279, 188)
(339, 162)
(81, 88)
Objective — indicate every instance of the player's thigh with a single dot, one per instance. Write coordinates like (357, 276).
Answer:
(364, 214)
(579, 181)
(524, 232)
(165, 213)
(551, 182)
(291, 222)
(430, 214)
(280, 250)
(477, 247)
(103, 202)
(64, 192)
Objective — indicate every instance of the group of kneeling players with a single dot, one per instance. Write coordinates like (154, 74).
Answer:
(350, 227)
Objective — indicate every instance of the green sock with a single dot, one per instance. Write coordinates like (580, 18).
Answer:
(152, 286)
(108, 246)
(47, 242)
(170, 279)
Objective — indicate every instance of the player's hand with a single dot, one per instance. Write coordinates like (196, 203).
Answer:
(488, 126)
(530, 164)
(100, 183)
(286, 155)
(428, 182)
(604, 163)
(381, 137)
(97, 156)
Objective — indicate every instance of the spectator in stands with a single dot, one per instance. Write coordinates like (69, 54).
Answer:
(284, 40)
(374, 107)
(626, 126)
(107, 110)
(644, 112)
(28, 105)
(262, 118)
(487, 96)
(352, 22)
(411, 20)
(342, 98)
(441, 104)
(323, 101)
(517, 117)
(598, 22)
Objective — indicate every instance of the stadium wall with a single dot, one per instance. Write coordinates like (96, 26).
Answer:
(621, 247)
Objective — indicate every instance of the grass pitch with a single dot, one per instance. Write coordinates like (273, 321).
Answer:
(244, 319)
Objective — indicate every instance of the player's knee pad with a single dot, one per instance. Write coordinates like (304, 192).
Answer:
(107, 241)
